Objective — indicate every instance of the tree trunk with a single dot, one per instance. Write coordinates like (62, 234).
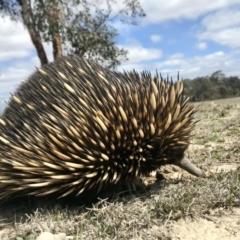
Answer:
(35, 37)
(53, 21)
(57, 46)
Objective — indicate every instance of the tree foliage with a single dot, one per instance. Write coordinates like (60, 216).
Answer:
(83, 27)
(215, 86)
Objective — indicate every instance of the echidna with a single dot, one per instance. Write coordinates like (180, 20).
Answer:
(75, 126)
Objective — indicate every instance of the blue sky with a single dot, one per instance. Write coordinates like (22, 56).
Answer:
(195, 38)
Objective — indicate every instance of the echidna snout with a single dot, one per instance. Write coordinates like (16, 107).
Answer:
(74, 126)
(189, 167)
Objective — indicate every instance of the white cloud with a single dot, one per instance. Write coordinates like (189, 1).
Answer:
(203, 65)
(194, 66)
(176, 56)
(222, 19)
(222, 27)
(160, 10)
(201, 45)
(156, 38)
(17, 44)
(15, 41)
(2, 106)
(228, 37)
(137, 53)
(10, 79)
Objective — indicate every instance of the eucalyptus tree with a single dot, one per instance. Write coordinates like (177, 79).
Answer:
(83, 27)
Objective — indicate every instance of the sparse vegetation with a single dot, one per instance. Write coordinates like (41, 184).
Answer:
(172, 199)
(215, 86)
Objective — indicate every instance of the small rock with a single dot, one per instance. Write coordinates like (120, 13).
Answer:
(46, 236)
(60, 236)
(50, 236)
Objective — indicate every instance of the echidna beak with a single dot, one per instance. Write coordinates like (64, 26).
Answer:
(189, 167)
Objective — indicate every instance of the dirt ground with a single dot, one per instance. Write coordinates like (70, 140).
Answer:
(227, 224)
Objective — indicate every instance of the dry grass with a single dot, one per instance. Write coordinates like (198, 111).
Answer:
(215, 148)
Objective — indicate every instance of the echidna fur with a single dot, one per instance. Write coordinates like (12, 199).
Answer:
(75, 126)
